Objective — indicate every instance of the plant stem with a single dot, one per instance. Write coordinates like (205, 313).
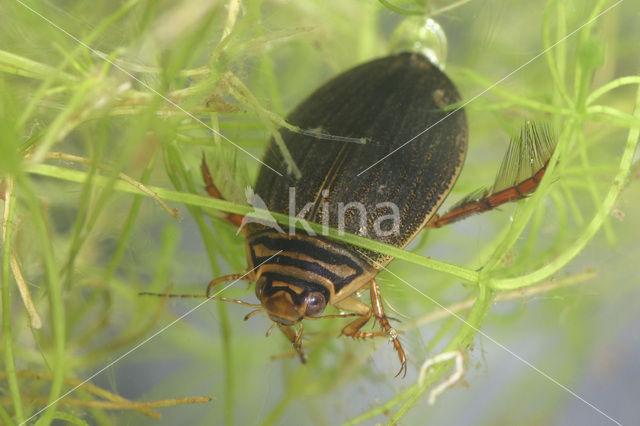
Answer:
(7, 335)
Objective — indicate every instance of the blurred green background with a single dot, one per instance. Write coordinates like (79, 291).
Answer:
(80, 105)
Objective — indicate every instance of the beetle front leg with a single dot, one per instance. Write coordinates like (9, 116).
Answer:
(295, 339)
(376, 309)
(212, 190)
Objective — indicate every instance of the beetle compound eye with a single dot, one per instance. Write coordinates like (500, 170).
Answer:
(315, 304)
(260, 285)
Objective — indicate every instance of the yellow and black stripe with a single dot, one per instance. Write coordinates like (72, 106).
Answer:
(307, 264)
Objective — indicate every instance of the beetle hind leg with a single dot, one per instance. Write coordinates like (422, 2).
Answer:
(521, 172)
(366, 312)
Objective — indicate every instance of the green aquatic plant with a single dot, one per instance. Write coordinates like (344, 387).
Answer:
(105, 112)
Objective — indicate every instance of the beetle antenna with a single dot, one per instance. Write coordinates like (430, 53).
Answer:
(200, 296)
(175, 296)
(344, 315)
(237, 301)
(212, 284)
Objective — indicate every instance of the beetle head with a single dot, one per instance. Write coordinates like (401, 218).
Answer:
(288, 300)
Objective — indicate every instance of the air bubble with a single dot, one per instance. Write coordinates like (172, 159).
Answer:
(421, 35)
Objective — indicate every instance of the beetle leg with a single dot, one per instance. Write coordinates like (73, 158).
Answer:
(521, 172)
(353, 328)
(376, 309)
(363, 310)
(295, 339)
(212, 190)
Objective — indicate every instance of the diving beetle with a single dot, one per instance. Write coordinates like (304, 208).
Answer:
(388, 103)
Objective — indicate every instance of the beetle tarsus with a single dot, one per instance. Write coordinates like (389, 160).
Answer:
(377, 311)
(295, 339)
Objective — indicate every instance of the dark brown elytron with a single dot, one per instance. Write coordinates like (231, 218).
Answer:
(386, 103)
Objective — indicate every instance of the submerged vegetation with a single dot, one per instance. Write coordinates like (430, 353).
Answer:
(105, 111)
